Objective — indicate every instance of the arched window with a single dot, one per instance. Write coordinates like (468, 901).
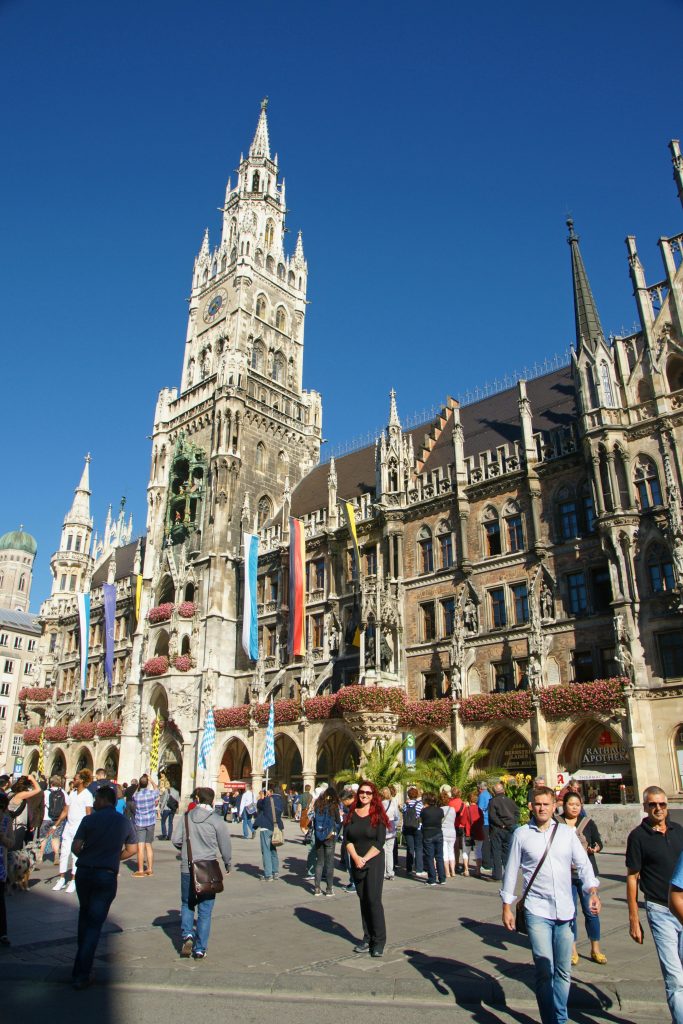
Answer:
(257, 356)
(587, 507)
(445, 539)
(591, 392)
(270, 234)
(279, 367)
(280, 318)
(264, 511)
(261, 307)
(22, 582)
(281, 271)
(646, 480)
(631, 356)
(606, 382)
(425, 550)
(674, 372)
(514, 533)
(255, 182)
(260, 455)
(645, 392)
(233, 232)
(491, 532)
(660, 569)
(214, 269)
(2, 579)
(270, 264)
(258, 258)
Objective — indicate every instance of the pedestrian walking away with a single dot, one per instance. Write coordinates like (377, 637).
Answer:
(55, 802)
(326, 823)
(102, 840)
(412, 833)
(503, 820)
(588, 835)
(6, 843)
(545, 849)
(653, 850)
(169, 802)
(431, 817)
(269, 814)
(448, 830)
(365, 833)
(472, 822)
(247, 811)
(146, 801)
(210, 840)
(79, 803)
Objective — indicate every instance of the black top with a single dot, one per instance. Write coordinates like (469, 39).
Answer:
(362, 834)
(589, 832)
(654, 854)
(104, 833)
(503, 812)
(431, 818)
(264, 809)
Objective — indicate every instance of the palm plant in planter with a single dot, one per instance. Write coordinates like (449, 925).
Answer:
(384, 766)
(456, 769)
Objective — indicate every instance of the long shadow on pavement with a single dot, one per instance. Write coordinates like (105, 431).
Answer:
(493, 934)
(170, 926)
(323, 923)
(470, 987)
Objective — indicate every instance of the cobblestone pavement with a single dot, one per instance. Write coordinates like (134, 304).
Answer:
(445, 945)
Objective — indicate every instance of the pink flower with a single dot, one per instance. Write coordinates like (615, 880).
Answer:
(161, 613)
(35, 694)
(186, 609)
(183, 662)
(156, 666)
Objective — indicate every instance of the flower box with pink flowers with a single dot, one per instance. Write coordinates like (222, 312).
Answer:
(109, 727)
(487, 707)
(160, 613)
(32, 735)
(434, 714)
(186, 609)
(56, 733)
(83, 731)
(602, 697)
(156, 666)
(183, 663)
(232, 718)
(35, 694)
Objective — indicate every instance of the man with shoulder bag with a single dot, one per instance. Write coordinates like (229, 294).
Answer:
(503, 820)
(202, 837)
(269, 823)
(546, 850)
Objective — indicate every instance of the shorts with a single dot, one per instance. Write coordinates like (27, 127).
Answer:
(145, 833)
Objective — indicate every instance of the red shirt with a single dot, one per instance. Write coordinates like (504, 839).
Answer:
(473, 822)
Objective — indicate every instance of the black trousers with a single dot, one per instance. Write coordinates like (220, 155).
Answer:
(96, 890)
(500, 850)
(486, 850)
(369, 882)
(3, 911)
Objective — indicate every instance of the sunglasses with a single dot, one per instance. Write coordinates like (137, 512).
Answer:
(364, 792)
(655, 804)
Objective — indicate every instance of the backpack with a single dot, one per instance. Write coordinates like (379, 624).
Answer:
(323, 825)
(55, 804)
(410, 818)
(171, 804)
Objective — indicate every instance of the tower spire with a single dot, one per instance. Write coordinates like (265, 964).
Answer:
(588, 326)
(261, 144)
(80, 507)
(677, 161)
(393, 411)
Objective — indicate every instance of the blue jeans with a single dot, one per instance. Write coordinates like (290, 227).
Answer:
(668, 936)
(201, 931)
(414, 858)
(433, 851)
(247, 827)
(551, 947)
(167, 824)
(271, 864)
(96, 891)
(592, 920)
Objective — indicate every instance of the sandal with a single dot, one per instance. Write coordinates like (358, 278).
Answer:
(138, 874)
(575, 959)
(598, 958)
(148, 872)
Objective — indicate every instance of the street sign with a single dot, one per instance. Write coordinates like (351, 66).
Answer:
(18, 765)
(409, 751)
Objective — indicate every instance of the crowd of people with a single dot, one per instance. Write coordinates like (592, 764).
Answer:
(91, 824)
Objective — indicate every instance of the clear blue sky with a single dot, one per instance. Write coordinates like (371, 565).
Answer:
(431, 152)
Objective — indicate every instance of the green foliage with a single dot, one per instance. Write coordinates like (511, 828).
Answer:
(384, 766)
(456, 769)
(517, 787)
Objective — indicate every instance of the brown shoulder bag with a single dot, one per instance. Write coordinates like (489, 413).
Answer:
(206, 877)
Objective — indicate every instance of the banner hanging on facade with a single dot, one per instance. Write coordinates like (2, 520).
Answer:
(109, 595)
(296, 640)
(84, 629)
(249, 612)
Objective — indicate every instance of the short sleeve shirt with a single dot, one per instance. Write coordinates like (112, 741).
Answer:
(145, 801)
(78, 804)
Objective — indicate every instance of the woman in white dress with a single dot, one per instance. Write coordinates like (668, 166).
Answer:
(448, 829)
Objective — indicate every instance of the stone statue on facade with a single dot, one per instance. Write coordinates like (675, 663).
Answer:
(547, 602)
(622, 648)
(307, 683)
(457, 655)
(386, 653)
(471, 616)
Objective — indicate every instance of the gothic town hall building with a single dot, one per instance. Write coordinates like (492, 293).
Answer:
(520, 584)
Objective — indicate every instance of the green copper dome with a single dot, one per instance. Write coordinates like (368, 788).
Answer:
(17, 540)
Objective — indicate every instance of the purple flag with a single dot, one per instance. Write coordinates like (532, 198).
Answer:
(109, 590)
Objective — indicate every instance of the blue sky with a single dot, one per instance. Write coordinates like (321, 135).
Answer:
(432, 152)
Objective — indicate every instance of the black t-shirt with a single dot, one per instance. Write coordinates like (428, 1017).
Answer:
(104, 833)
(654, 854)
(362, 834)
(431, 818)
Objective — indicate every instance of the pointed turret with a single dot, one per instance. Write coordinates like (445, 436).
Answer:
(72, 563)
(588, 326)
(261, 144)
(393, 411)
(204, 251)
(299, 259)
(80, 507)
(677, 161)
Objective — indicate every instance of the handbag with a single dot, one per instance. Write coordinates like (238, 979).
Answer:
(277, 838)
(206, 877)
(520, 920)
(251, 810)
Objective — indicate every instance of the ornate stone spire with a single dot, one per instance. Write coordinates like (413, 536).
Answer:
(588, 326)
(393, 411)
(80, 507)
(261, 144)
(204, 251)
(298, 258)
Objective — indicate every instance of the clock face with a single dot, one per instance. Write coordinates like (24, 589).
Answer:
(214, 306)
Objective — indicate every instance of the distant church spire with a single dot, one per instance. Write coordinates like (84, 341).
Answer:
(588, 326)
(80, 507)
(261, 144)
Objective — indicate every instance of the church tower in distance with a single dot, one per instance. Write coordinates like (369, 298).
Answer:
(227, 445)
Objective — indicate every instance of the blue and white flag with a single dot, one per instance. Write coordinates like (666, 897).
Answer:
(269, 752)
(249, 613)
(84, 630)
(207, 740)
(109, 599)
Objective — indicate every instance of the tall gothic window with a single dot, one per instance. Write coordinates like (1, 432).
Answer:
(270, 234)
(257, 357)
(280, 318)
(256, 182)
(491, 532)
(660, 569)
(264, 510)
(260, 455)
(647, 483)
(261, 307)
(279, 366)
(426, 550)
(606, 382)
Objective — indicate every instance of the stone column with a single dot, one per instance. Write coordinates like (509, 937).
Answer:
(613, 482)
(539, 739)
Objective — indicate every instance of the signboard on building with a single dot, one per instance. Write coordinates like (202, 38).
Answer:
(18, 765)
(409, 752)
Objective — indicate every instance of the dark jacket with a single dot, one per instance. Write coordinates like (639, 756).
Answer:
(264, 812)
(503, 812)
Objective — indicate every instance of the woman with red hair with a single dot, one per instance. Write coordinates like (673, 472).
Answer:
(365, 832)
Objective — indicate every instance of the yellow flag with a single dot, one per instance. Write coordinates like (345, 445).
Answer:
(154, 753)
(138, 595)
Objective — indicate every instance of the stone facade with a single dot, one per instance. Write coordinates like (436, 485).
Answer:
(513, 553)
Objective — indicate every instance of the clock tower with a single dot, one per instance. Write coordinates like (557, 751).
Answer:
(229, 443)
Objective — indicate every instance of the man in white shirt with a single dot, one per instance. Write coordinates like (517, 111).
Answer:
(79, 802)
(549, 904)
(247, 800)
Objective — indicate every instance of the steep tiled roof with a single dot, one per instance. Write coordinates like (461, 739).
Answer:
(125, 561)
(491, 422)
(23, 621)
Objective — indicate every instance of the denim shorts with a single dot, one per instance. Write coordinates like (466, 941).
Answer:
(145, 833)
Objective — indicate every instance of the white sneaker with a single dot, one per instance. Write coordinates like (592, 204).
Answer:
(59, 884)
(71, 887)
